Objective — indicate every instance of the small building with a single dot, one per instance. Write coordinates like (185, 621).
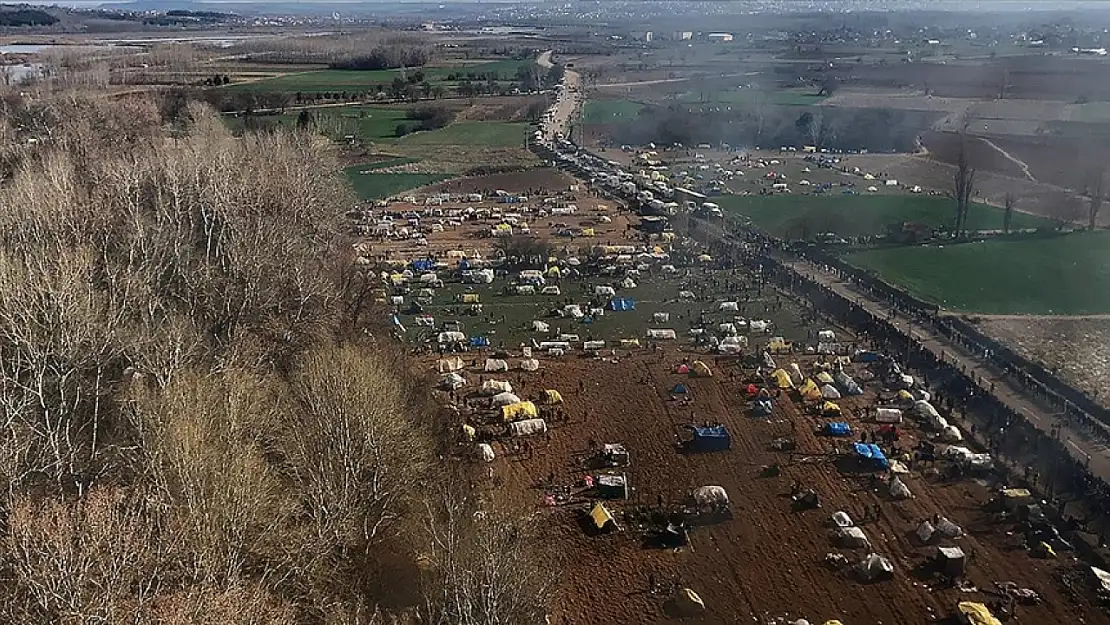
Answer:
(719, 37)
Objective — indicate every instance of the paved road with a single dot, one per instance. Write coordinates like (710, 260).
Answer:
(1007, 390)
(566, 107)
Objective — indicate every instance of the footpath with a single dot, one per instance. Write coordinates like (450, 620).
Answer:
(988, 377)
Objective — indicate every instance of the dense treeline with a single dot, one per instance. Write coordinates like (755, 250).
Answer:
(198, 425)
(384, 57)
(26, 17)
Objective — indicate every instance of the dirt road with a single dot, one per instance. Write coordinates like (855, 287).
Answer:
(1016, 161)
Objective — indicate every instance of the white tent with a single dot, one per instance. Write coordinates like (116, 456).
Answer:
(711, 495)
(661, 334)
(888, 415)
(852, 537)
(925, 531)
(604, 290)
(485, 452)
(841, 519)
(949, 529)
(796, 373)
(573, 311)
(758, 325)
(540, 326)
(591, 345)
(493, 387)
(875, 566)
(449, 365)
(898, 489)
(661, 317)
(826, 336)
(529, 364)
(528, 427)
(628, 283)
(452, 381)
(828, 391)
(951, 434)
(729, 307)
(728, 329)
(504, 399)
(686, 295)
(496, 364)
(451, 337)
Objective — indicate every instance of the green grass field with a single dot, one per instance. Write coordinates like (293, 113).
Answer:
(472, 134)
(1064, 275)
(860, 215)
(610, 111)
(372, 186)
(784, 97)
(359, 80)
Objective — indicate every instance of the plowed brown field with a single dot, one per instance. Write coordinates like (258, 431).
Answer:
(766, 562)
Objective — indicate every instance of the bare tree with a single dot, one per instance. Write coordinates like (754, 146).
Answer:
(482, 565)
(963, 187)
(1008, 204)
(1097, 192)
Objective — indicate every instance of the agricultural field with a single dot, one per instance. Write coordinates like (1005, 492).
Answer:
(860, 215)
(338, 80)
(1056, 275)
(610, 111)
(483, 134)
(372, 185)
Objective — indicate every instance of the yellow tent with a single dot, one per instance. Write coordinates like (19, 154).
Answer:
(587, 232)
(553, 271)
(824, 378)
(830, 408)
(471, 298)
(668, 236)
(809, 390)
(905, 395)
(778, 346)
(397, 278)
(702, 370)
(503, 228)
(601, 517)
(977, 613)
(469, 432)
(782, 379)
(552, 397)
(630, 342)
(519, 410)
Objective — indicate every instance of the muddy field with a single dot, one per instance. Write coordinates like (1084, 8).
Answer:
(1074, 347)
(767, 561)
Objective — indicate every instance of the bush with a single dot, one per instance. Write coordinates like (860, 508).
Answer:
(402, 130)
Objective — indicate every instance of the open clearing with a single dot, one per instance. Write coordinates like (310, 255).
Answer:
(473, 134)
(376, 186)
(328, 80)
(861, 215)
(610, 111)
(1067, 274)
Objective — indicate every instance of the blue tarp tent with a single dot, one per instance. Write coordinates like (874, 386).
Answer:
(867, 357)
(622, 303)
(838, 428)
(711, 438)
(762, 407)
(479, 341)
(680, 389)
(464, 264)
(423, 265)
(872, 453)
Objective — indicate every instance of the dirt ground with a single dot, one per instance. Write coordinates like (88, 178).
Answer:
(1072, 346)
(542, 180)
(767, 561)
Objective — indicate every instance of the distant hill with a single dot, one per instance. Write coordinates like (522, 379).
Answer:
(16, 16)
